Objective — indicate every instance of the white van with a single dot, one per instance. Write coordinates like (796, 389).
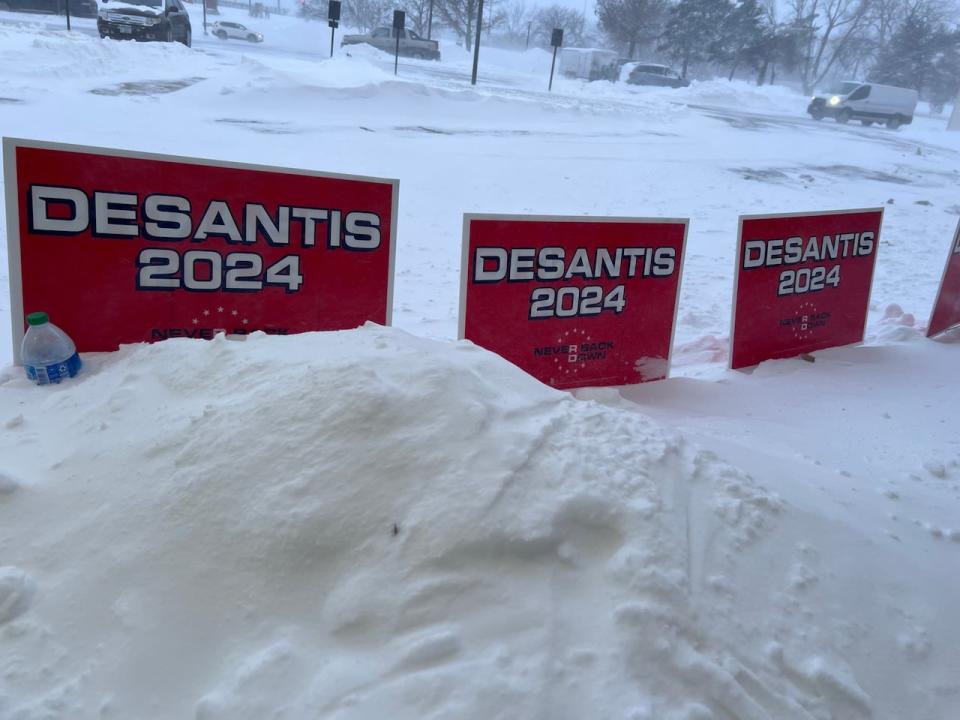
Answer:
(867, 102)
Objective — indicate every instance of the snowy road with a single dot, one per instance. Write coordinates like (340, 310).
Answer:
(310, 44)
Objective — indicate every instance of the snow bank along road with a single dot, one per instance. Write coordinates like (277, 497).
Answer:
(372, 523)
(361, 524)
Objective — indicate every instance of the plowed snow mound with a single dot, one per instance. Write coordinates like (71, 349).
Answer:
(369, 525)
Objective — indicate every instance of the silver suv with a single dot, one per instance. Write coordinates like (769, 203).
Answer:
(223, 30)
(657, 75)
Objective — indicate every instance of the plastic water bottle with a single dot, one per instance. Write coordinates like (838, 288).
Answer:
(47, 352)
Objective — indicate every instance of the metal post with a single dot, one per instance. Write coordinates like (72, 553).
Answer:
(552, 65)
(430, 21)
(476, 44)
(399, 23)
(556, 39)
(204, 16)
(333, 20)
(529, 26)
(68, 14)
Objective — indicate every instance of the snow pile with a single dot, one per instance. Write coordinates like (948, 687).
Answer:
(736, 95)
(355, 91)
(346, 70)
(60, 55)
(362, 51)
(494, 60)
(743, 95)
(665, 104)
(365, 524)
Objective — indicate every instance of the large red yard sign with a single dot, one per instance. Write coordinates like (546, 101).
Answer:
(123, 247)
(946, 308)
(573, 301)
(802, 283)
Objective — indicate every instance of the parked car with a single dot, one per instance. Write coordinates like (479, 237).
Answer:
(78, 8)
(588, 63)
(162, 20)
(867, 102)
(658, 75)
(411, 44)
(223, 30)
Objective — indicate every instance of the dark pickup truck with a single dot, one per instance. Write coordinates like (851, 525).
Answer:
(163, 20)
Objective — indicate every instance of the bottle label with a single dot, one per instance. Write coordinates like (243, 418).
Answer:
(46, 374)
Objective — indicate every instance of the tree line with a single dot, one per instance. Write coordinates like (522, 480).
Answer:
(910, 43)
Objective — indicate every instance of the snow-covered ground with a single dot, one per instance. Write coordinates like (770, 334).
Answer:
(386, 523)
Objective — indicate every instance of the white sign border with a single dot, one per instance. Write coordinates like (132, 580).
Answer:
(775, 216)
(507, 217)
(943, 278)
(12, 194)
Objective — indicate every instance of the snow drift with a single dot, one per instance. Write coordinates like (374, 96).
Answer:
(366, 524)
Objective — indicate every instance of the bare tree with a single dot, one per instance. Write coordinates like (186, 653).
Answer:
(418, 12)
(494, 14)
(367, 14)
(517, 21)
(779, 45)
(571, 21)
(461, 17)
(828, 27)
(883, 16)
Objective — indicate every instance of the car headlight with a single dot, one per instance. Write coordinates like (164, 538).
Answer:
(835, 100)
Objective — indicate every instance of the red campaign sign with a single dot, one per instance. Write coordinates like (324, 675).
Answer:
(575, 302)
(123, 247)
(802, 283)
(946, 309)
